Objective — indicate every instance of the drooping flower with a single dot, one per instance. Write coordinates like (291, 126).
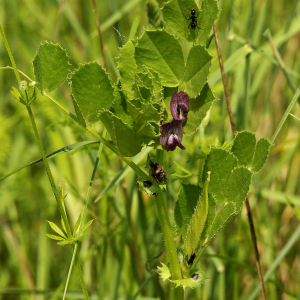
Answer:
(171, 135)
(179, 106)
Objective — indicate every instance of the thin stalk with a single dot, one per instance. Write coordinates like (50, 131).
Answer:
(284, 251)
(42, 151)
(286, 113)
(84, 211)
(50, 177)
(249, 214)
(167, 231)
(134, 236)
(57, 198)
(60, 12)
(10, 55)
(224, 82)
(281, 63)
(248, 65)
(19, 252)
(99, 34)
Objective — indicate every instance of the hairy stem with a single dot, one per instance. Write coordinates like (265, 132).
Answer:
(167, 231)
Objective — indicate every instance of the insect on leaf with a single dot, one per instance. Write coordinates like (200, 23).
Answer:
(177, 15)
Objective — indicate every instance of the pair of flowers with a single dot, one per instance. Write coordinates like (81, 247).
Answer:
(171, 132)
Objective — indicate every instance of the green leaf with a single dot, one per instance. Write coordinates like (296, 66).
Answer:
(63, 225)
(92, 90)
(64, 243)
(120, 108)
(79, 114)
(77, 224)
(87, 225)
(193, 282)
(243, 148)
(186, 203)
(210, 217)
(261, 154)
(127, 68)
(51, 66)
(197, 70)
(197, 223)
(56, 229)
(121, 134)
(198, 110)
(164, 272)
(17, 94)
(161, 52)
(220, 220)
(220, 163)
(208, 15)
(55, 237)
(79, 238)
(238, 186)
(176, 13)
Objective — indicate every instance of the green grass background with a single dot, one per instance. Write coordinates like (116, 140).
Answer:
(259, 94)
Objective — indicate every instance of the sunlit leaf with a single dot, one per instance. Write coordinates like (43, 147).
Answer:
(92, 90)
(220, 163)
(186, 203)
(161, 52)
(238, 186)
(56, 229)
(220, 220)
(197, 222)
(197, 70)
(51, 66)
(198, 110)
(121, 134)
(261, 154)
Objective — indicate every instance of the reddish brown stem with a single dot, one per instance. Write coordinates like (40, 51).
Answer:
(249, 214)
(100, 34)
(224, 82)
(22, 259)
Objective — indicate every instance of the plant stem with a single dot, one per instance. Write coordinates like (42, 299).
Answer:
(171, 250)
(50, 177)
(99, 34)
(57, 198)
(83, 213)
(280, 62)
(10, 54)
(286, 113)
(249, 214)
(224, 82)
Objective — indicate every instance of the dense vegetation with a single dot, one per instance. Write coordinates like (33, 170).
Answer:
(56, 44)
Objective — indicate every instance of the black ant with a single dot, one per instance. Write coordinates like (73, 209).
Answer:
(192, 17)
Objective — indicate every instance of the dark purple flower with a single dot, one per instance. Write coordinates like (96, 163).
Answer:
(171, 135)
(179, 106)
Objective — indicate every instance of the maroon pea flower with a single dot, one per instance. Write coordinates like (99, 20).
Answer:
(171, 135)
(179, 106)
